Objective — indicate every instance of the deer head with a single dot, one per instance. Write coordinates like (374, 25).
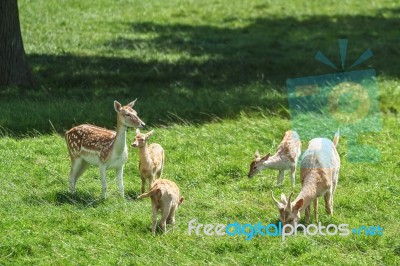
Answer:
(140, 139)
(256, 164)
(289, 211)
(127, 116)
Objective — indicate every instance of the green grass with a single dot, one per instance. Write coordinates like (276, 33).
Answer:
(42, 223)
(210, 79)
(221, 57)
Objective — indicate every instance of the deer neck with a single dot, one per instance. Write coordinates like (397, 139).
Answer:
(144, 154)
(120, 138)
(308, 191)
(274, 162)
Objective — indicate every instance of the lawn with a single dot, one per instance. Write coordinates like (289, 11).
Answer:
(210, 80)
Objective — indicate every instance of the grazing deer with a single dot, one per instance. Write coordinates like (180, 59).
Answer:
(285, 158)
(164, 195)
(152, 158)
(319, 177)
(91, 145)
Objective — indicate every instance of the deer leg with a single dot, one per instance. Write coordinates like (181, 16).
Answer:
(159, 173)
(162, 165)
(78, 166)
(83, 168)
(120, 175)
(316, 209)
(150, 181)
(329, 203)
(155, 212)
(281, 175)
(143, 183)
(307, 214)
(329, 195)
(171, 217)
(103, 180)
(293, 174)
(165, 213)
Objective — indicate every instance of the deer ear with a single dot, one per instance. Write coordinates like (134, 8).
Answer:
(283, 198)
(149, 133)
(265, 157)
(277, 203)
(117, 106)
(298, 205)
(131, 104)
(257, 154)
(137, 131)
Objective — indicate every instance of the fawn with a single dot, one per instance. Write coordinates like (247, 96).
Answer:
(285, 158)
(152, 158)
(319, 177)
(164, 195)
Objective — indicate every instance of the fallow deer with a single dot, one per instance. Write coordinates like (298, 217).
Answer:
(152, 158)
(319, 177)
(285, 158)
(164, 195)
(91, 145)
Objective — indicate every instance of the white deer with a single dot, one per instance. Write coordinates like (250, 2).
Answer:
(91, 145)
(319, 177)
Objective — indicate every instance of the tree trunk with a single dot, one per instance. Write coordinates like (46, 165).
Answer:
(14, 69)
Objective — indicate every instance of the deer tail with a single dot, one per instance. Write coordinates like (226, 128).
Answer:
(336, 138)
(152, 191)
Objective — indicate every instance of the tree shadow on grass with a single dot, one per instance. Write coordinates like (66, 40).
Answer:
(221, 71)
(267, 51)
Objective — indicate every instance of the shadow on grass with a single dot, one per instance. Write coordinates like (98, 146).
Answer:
(268, 51)
(79, 199)
(132, 195)
(139, 225)
(227, 69)
(226, 174)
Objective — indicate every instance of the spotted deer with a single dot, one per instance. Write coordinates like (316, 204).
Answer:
(164, 195)
(152, 158)
(91, 145)
(285, 158)
(319, 177)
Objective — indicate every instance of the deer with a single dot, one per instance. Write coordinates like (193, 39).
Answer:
(164, 195)
(319, 172)
(285, 158)
(107, 149)
(152, 158)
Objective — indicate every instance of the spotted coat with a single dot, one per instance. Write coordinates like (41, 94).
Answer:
(90, 138)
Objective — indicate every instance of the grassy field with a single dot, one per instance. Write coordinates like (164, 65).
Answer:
(210, 79)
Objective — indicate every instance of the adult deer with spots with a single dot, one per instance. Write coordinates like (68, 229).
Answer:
(107, 149)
